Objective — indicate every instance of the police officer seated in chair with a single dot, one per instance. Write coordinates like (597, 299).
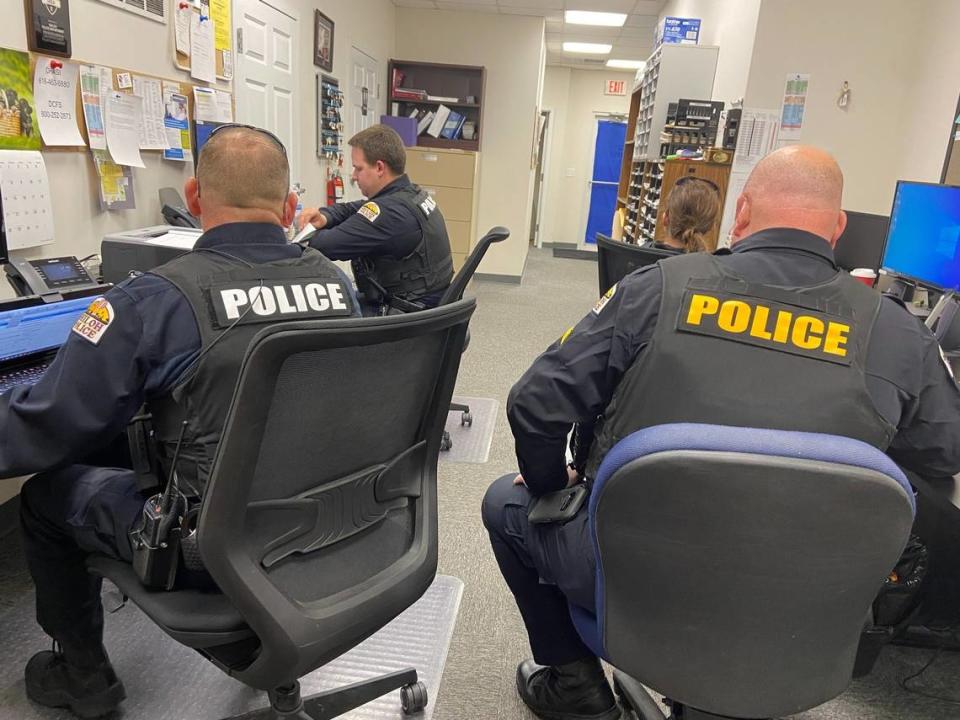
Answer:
(396, 240)
(693, 207)
(172, 339)
(769, 334)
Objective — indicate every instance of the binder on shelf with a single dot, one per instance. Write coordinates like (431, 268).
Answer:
(401, 93)
(439, 121)
(443, 98)
(453, 125)
(424, 122)
(397, 79)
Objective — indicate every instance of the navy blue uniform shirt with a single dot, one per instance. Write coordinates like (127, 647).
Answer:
(91, 391)
(574, 380)
(349, 235)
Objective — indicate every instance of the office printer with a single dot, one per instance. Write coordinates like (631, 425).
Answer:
(143, 249)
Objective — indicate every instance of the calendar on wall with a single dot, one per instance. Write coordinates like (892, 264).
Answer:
(25, 199)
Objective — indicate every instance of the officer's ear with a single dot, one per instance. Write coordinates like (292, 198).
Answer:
(381, 168)
(841, 226)
(191, 190)
(742, 219)
(289, 209)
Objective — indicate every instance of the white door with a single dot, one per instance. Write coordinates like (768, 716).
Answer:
(266, 78)
(364, 92)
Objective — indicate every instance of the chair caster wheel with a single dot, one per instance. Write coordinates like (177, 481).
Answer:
(445, 442)
(413, 698)
(466, 419)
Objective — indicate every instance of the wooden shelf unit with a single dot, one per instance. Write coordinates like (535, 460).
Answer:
(444, 80)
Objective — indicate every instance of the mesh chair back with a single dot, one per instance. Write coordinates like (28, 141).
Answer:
(460, 281)
(616, 260)
(319, 520)
(736, 566)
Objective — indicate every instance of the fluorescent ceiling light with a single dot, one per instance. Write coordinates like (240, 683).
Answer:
(587, 48)
(628, 64)
(589, 17)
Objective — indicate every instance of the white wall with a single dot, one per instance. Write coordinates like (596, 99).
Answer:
(510, 47)
(731, 25)
(870, 44)
(573, 96)
(931, 95)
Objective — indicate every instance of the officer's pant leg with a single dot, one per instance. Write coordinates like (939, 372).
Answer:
(543, 565)
(66, 515)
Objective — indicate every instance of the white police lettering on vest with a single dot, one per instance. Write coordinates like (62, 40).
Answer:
(268, 302)
(428, 205)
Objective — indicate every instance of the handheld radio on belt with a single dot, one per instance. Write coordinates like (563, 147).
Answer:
(155, 538)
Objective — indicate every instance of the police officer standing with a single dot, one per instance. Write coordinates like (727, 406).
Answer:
(396, 239)
(173, 339)
(769, 334)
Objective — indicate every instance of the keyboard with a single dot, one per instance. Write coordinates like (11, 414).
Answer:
(22, 376)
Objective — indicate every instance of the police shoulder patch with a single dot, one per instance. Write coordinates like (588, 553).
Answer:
(602, 302)
(94, 321)
(370, 210)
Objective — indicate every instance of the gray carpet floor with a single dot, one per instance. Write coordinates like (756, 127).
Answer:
(512, 325)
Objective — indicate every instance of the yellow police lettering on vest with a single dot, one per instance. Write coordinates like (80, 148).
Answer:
(266, 300)
(738, 317)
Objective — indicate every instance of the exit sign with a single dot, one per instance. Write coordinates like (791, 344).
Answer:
(615, 87)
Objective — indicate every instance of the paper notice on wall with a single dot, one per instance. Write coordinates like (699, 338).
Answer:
(123, 128)
(92, 107)
(153, 135)
(177, 124)
(55, 92)
(25, 195)
(203, 64)
(224, 107)
(204, 104)
(220, 14)
(181, 26)
(756, 138)
(794, 106)
(116, 183)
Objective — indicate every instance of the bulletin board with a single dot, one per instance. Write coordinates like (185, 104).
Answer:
(219, 12)
(186, 88)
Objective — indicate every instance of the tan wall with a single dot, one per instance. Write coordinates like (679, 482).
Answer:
(510, 48)
(573, 96)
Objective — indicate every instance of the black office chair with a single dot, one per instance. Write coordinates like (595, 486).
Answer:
(453, 293)
(174, 209)
(616, 259)
(736, 567)
(319, 520)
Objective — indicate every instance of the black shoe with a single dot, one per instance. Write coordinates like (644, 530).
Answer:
(575, 691)
(88, 691)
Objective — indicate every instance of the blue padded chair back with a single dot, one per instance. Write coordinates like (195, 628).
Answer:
(736, 566)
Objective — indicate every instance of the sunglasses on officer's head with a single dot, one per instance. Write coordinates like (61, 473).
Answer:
(234, 126)
(691, 178)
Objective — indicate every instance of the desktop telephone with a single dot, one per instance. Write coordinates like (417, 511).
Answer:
(47, 277)
(178, 217)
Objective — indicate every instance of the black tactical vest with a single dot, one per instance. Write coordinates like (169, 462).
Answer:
(730, 352)
(428, 269)
(232, 301)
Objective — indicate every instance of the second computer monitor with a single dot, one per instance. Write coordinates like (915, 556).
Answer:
(923, 242)
(862, 242)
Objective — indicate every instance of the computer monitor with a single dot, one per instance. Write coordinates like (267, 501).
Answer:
(923, 242)
(862, 242)
(616, 259)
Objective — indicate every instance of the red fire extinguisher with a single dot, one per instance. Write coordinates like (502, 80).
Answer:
(335, 189)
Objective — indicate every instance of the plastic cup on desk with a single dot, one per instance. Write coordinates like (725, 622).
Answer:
(865, 275)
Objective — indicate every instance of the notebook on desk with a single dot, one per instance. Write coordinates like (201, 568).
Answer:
(31, 332)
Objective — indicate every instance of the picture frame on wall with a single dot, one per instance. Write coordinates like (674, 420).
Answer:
(322, 41)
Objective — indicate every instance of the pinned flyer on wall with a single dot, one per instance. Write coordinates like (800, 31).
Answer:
(203, 63)
(123, 128)
(794, 106)
(25, 197)
(116, 183)
(92, 106)
(55, 92)
(212, 106)
(177, 123)
(153, 134)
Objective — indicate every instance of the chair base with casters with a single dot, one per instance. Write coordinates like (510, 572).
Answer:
(634, 698)
(229, 638)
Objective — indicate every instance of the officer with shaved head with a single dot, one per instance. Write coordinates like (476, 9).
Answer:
(171, 340)
(769, 334)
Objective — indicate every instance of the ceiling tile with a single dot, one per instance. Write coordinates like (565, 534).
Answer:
(554, 26)
(589, 31)
(636, 32)
(617, 6)
(467, 7)
(417, 4)
(649, 7)
(529, 4)
(636, 20)
(531, 11)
